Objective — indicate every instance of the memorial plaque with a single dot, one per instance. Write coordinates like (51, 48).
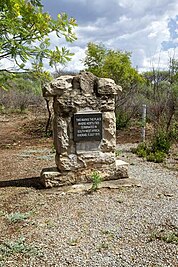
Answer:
(87, 126)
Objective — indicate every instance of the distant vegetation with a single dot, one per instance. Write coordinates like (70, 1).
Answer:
(157, 89)
(22, 91)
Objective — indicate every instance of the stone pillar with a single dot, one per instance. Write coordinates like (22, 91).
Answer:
(84, 129)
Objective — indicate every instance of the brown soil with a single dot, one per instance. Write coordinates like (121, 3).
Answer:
(22, 140)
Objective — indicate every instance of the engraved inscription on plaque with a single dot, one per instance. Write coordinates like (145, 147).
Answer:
(87, 126)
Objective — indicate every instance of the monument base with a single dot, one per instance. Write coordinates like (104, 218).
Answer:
(52, 177)
(84, 130)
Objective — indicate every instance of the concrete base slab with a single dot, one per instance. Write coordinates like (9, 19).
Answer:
(86, 187)
(52, 177)
(122, 169)
(112, 184)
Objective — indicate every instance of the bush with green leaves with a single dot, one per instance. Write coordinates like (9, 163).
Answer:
(173, 134)
(155, 151)
(141, 150)
(122, 120)
(9, 247)
(96, 180)
(166, 236)
(17, 216)
(161, 142)
(156, 157)
(23, 91)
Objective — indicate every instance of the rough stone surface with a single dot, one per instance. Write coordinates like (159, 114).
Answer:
(122, 168)
(58, 86)
(76, 160)
(52, 177)
(107, 87)
(109, 134)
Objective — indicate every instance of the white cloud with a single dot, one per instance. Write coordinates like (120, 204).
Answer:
(160, 60)
(76, 63)
(159, 28)
(137, 26)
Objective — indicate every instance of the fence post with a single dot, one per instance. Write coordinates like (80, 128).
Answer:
(143, 122)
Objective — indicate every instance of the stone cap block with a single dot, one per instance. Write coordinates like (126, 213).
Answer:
(106, 86)
(58, 86)
(84, 84)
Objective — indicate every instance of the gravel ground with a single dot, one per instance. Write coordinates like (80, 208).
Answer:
(126, 227)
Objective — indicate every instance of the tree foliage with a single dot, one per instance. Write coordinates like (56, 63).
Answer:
(23, 90)
(24, 34)
(112, 64)
(161, 94)
(116, 64)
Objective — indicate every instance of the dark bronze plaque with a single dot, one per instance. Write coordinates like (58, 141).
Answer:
(87, 127)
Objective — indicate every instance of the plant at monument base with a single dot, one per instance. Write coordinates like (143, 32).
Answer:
(96, 180)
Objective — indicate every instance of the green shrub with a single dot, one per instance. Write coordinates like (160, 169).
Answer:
(161, 142)
(141, 150)
(150, 157)
(166, 236)
(173, 134)
(10, 247)
(156, 151)
(160, 156)
(141, 153)
(96, 179)
(122, 120)
(2, 108)
(18, 216)
(156, 157)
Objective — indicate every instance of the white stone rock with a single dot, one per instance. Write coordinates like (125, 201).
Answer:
(58, 86)
(107, 86)
(76, 160)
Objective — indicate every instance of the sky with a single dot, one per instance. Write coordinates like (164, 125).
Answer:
(146, 28)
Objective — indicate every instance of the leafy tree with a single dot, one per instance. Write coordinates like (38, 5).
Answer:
(24, 34)
(112, 64)
(116, 64)
(162, 96)
(94, 60)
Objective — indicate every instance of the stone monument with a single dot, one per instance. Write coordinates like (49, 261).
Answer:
(84, 130)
